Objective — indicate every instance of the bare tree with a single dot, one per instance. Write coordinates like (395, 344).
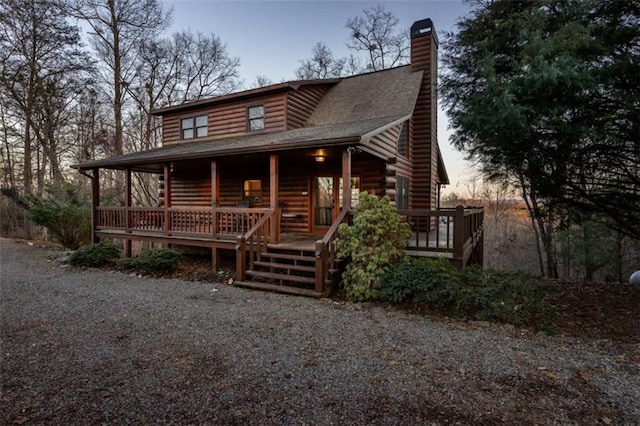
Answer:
(41, 67)
(376, 34)
(322, 64)
(205, 68)
(261, 81)
(118, 28)
(183, 68)
(187, 66)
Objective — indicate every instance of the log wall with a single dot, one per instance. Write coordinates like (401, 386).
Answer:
(228, 119)
(301, 103)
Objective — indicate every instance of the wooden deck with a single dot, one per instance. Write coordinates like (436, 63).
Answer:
(302, 264)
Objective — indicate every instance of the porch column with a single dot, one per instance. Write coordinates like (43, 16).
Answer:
(127, 212)
(346, 179)
(95, 202)
(214, 183)
(273, 196)
(167, 197)
(215, 258)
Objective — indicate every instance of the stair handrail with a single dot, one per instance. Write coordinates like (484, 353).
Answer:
(325, 251)
(264, 231)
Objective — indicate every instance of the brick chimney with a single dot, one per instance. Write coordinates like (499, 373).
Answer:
(424, 123)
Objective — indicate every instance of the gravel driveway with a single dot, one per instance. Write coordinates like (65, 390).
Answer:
(93, 346)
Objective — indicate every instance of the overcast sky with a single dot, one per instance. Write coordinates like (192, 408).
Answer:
(271, 37)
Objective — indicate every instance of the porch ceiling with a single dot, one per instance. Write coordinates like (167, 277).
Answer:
(308, 137)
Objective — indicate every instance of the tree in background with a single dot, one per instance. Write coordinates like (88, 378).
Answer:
(183, 67)
(322, 64)
(118, 28)
(261, 80)
(375, 33)
(544, 95)
(42, 71)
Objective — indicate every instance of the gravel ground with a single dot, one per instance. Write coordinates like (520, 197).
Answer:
(93, 346)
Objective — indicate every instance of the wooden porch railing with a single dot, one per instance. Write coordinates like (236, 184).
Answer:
(252, 244)
(197, 221)
(326, 256)
(458, 232)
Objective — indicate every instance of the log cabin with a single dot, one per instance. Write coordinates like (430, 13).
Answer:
(270, 173)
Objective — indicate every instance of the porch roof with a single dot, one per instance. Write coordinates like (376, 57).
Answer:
(323, 136)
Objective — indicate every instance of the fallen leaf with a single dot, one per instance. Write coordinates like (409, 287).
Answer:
(553, 376)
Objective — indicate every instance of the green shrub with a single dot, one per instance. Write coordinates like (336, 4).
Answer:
(66, 214)
(376, 240)
(474, 293)
(95, 255)
(153, 260)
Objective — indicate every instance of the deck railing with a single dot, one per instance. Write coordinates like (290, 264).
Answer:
(254, 242)
(326, 254)
(196, 221)
(457, 232)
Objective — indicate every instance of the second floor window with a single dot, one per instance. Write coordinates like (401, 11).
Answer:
(255, 117)
(194, 127)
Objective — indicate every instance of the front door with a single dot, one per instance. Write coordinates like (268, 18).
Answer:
(324, 202)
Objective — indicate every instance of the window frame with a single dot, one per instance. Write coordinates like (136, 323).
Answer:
(251, 120)
(402, 200)
(252, 195)
(404, 130)
(193, 119)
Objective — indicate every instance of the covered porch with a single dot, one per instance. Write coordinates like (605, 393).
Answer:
(278, 212)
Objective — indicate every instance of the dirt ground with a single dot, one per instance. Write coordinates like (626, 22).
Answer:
(88, 346)
(595, 310)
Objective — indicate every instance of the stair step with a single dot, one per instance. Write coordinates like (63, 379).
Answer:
(278, 288)
(275, 265)
(275, 255)
(283, 277)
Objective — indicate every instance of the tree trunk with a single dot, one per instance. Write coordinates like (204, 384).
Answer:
(117, 80)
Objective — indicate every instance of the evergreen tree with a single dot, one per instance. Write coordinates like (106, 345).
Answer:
(545, 94)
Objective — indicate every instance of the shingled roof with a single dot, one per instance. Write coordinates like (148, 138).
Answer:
(354, 107)
(391, 92)
(306, 137)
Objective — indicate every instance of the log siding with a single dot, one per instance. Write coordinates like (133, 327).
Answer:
(301, 104)
(229, 119)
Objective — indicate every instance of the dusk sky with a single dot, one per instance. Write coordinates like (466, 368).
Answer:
(271, 37)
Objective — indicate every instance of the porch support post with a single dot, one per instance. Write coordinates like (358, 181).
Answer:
(458, 238)
(273, 196)
(95, 202)
(215, 258)
(127, 213)
(214, 183)
(346, 179)
(167, 197)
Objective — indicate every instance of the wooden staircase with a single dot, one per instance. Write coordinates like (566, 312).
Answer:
(286, 270)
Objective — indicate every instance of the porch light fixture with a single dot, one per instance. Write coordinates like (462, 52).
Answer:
(320, 158)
